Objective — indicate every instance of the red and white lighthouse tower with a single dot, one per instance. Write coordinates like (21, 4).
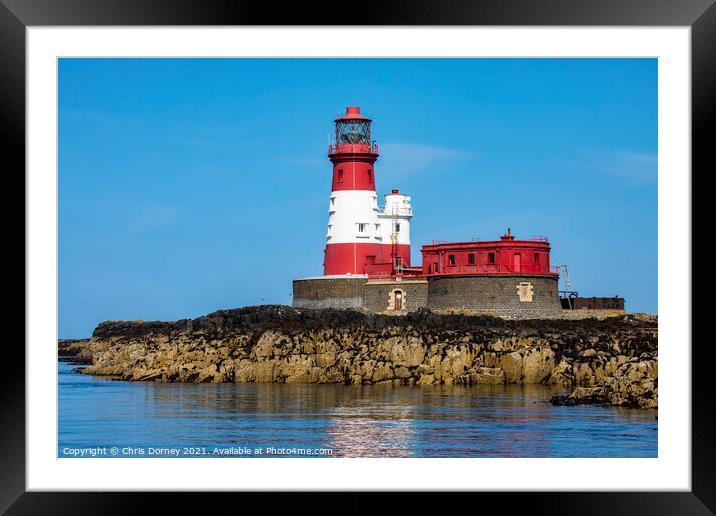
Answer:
(362, 238)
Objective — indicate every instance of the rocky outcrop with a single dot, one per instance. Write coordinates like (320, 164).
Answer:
(632, 384)
(615, 358)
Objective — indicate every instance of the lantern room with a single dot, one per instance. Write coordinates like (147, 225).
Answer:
(353, 127)
(353, 134)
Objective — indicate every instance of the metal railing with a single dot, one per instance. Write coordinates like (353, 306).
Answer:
(535, 238)
(398, 211)
(357, 148)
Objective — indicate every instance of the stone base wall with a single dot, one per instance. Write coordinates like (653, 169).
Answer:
(503, 295)
(379, 294)
(522, 296)
(329, 293)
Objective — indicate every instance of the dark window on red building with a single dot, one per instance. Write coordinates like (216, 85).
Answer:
(340, 175)
(437, 269)
(471, 259)
(451, 259)
(370, 176)
(491, 257)
(536, 257)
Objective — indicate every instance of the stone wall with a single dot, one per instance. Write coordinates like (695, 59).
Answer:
(502, 294)
(329, 292)
(378, 294)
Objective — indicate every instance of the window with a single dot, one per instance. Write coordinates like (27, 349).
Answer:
(377, 228)
(437, 269)
(397, 227)
(451, 259)
(340, 175)
(362, 227)
(536, 257)
(370, 175)
(471, 259)
(333, 203)
(491, 257)
(430, 269)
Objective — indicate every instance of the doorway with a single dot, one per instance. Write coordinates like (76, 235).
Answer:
(517, 263)
(397, 300)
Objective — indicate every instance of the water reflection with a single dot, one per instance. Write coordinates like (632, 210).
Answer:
(354, 421)
(362, 431)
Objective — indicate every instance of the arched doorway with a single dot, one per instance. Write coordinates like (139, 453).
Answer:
(396, 299)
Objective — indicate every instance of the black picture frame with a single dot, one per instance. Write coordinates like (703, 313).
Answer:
(17, 15)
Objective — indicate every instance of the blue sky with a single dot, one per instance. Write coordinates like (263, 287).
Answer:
(191, 185)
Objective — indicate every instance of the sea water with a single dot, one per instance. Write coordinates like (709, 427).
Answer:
(100, 417)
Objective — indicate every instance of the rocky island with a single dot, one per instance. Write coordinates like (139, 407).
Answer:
(612, 361)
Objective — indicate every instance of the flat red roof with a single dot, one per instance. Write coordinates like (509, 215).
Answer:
(481, 244)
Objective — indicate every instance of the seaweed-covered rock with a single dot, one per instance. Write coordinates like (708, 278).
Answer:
(634, 384)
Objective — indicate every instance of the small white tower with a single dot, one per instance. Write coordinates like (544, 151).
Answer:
(395, 219)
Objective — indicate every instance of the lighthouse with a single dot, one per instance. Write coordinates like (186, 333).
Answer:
(367, 265)
(362, 238)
